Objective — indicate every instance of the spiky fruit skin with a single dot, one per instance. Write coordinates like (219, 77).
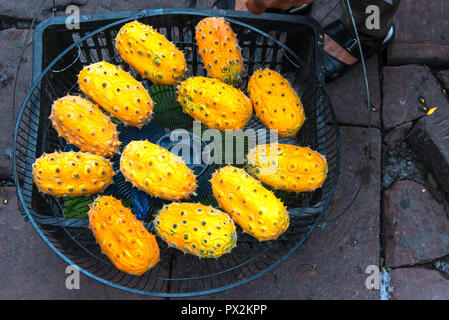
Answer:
(83, 124)
(157, 171)
(123, 238)
(214, 103)
(72, 174)
(276, 103)
(287, 167)
(117, 92)
(253, 207)
(219, 49)
(150, 53)
(196, 229)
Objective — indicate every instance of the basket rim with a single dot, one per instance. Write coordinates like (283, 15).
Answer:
(229, 14)
(132, 15)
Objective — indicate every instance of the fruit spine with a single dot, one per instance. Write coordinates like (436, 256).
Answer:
(196, 229)
(117, 92)
(72, 174)
(150, 53)
(288, 167)
(216, 104)
(275, 102)
(254, 208)
(123, 238)
(219, 49)
(83, 124)
(157, 171)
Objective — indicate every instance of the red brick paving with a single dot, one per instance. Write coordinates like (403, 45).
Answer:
(418, 284)
(415, 225)
(351, 106)
(12, 41)
(403, 86)
(421, 33)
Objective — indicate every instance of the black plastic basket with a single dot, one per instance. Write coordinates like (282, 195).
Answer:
(291, 45)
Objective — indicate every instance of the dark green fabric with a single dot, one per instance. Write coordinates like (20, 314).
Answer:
(386, 10)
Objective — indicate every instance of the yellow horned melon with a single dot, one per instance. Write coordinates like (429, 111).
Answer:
(72, 173)
(196, 229)
(157, 171)
(216, 104)
(275, 102)
(288, 167)
(219, 49)
(83, 124)
(150, 53)
(117, 92)
(123, 238)
(253, 207)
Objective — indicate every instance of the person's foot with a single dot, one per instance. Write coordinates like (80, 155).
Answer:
(240, 5)
(342, 49)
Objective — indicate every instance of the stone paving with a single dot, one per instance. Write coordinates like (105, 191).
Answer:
(12, 41)
(421, 34)
(399, 220)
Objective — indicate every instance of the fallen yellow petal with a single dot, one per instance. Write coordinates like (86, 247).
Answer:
(431, 110)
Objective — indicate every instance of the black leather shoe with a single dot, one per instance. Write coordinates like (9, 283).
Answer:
(333, 68)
